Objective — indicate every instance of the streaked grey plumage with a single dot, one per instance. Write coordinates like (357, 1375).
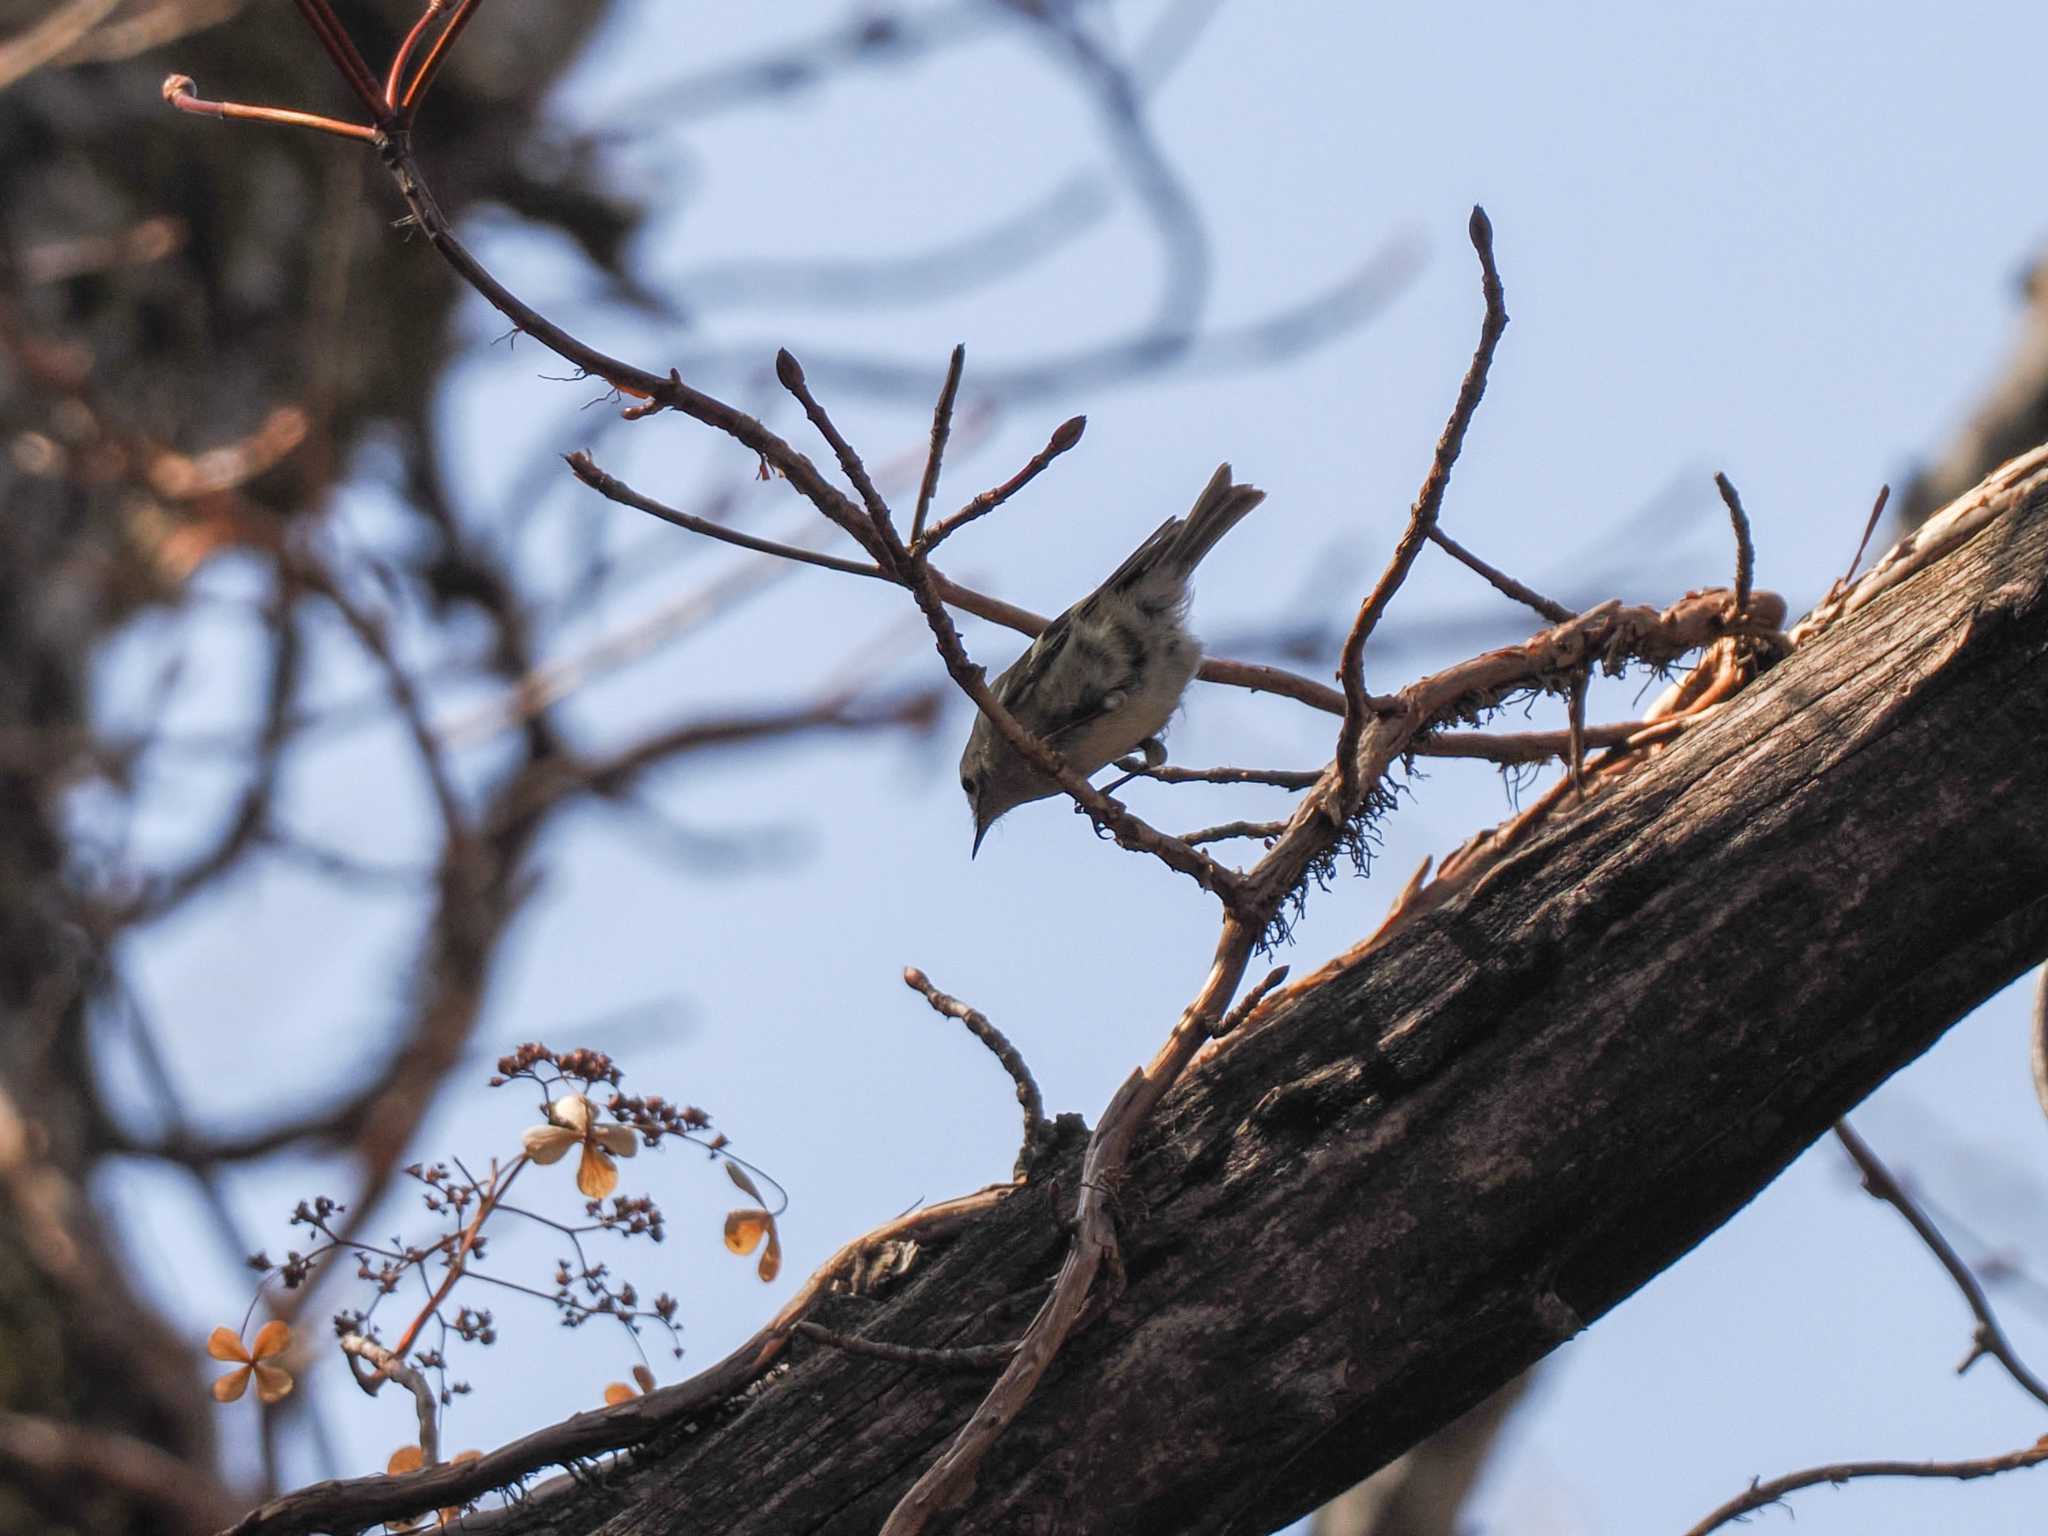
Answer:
(1107, 674)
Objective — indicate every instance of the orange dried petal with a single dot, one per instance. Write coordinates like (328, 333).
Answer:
(273, 1383)
(228, 1388)
(745, 1229)
(226, 1344)
(273, 1338)
(771, 1257)
(597, 1175)
(407, 1458)
(617, 1392)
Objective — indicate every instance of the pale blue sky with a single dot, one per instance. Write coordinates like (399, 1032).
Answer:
(1776, 240)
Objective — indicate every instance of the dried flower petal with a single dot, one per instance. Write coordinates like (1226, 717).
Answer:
(547, 1143)
(226, 1344)
(597, 1175)
(231, 1386)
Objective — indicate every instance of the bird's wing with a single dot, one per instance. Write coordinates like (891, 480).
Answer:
(1036, 688)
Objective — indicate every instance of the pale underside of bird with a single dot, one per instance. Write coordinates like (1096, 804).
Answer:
(1107, 675)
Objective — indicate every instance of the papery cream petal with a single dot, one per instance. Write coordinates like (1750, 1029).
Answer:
(572, 1110)
(547, 1143)
(619, 1140)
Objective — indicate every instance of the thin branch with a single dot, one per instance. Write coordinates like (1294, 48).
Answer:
(1420, 519)
(1248, 1004)
(1064, 437)
(396, 75)
(178, 91)
(1000, 1047)
(969, 1357)
(1745, 550)
(390, 1365)
(1988, 1338)
(416, 93)
(1166, 773)
(610, 486)
(333, 36)
(1759, 1495)
(791, 374)
(1502, 582)
(1884, 494)
(942, 429)
(1229, 830)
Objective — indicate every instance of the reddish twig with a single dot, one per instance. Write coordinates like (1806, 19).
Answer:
(333, 36)
(1064, 437)
(416, 92)
(1420, 520)
(1502, 582)
(178, 91)
(403, 56)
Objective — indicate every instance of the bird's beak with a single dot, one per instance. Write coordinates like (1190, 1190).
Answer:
(980, 831)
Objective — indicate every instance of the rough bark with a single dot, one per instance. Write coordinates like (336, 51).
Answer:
(1438, 1160)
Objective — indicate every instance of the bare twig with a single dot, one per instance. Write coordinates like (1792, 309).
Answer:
(942, 428)
(1064, 437)
(610, 486)
(390, 1365)
(999, 1046)
(333, 36)
(791, 375)
(966, 1357)
(1745, 550)
(1884, 494)
(1167, 773)
(1420, 519)
(1988, 1338)
(1248, 1004)
(1502, 582)
(1758, 1495)
(423, 79)
(178, 91)
(1227, 831)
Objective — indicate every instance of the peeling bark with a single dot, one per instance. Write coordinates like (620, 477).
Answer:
(1433, 1162)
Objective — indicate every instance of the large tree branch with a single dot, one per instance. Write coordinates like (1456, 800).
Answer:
(1417, 1172)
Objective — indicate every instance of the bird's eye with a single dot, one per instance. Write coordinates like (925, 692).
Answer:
(967, 782)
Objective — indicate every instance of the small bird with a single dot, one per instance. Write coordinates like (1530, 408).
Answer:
(1107, 674)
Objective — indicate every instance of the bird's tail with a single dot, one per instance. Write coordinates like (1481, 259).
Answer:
(1180, 543)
